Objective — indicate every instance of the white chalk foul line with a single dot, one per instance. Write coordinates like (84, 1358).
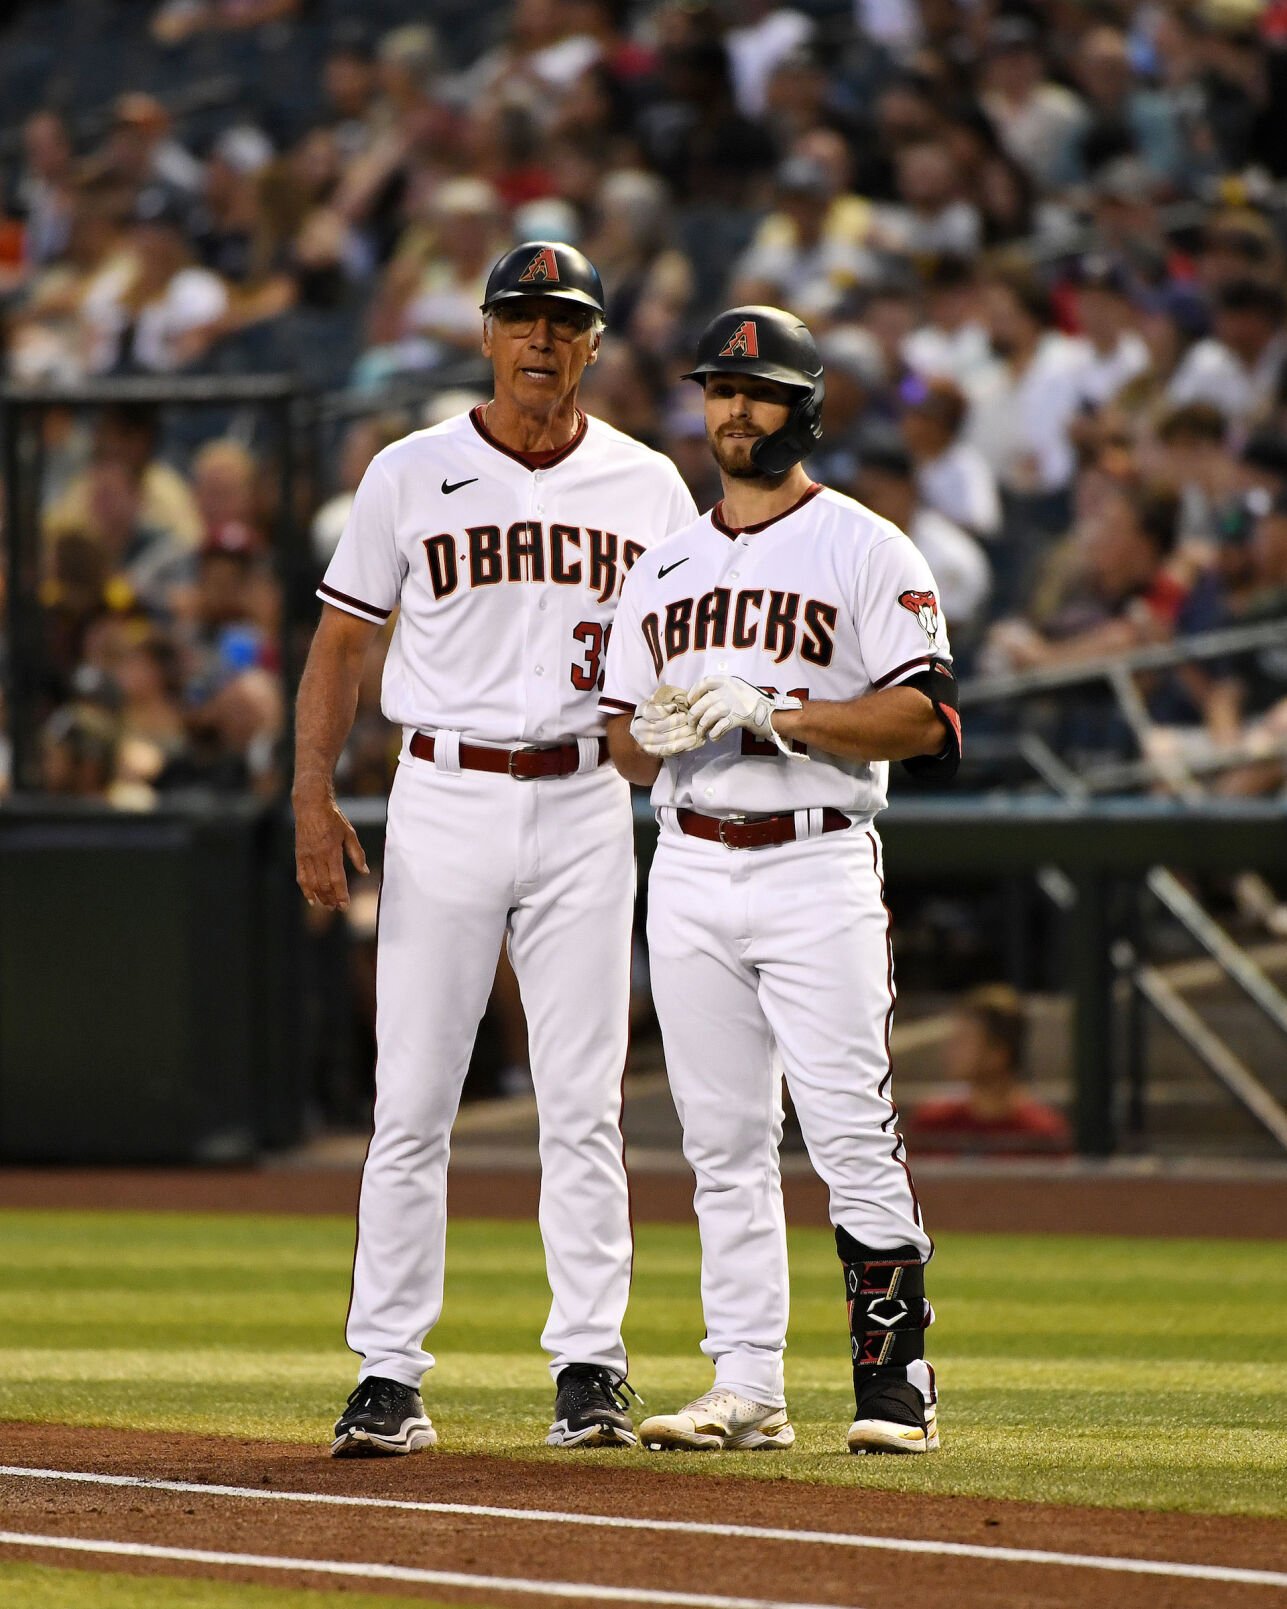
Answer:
(399, 1572)
(755, 1533)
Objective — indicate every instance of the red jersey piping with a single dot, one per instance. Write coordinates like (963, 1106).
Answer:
(541, 460)
(717, 515)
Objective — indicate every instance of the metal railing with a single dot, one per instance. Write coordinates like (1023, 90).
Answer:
(1185, 780)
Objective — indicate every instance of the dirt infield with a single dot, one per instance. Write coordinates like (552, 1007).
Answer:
(550, 1549)
(1001, 1202)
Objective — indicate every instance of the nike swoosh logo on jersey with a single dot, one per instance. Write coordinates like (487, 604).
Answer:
(667, 568)
(454, 486)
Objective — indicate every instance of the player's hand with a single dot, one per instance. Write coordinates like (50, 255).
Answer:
(663, 726)
(720, 703)
(323, 836)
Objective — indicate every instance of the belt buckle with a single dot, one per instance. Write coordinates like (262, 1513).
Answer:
(527, 748)
(729, 821)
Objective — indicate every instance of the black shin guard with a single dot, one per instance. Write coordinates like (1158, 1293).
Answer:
(888, 1313)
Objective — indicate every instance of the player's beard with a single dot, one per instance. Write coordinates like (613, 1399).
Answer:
(735, 462)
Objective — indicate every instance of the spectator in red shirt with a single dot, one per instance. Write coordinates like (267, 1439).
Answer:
(985, 1053)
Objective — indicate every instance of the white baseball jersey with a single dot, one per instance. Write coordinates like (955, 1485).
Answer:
(506, 569)
(826, 601)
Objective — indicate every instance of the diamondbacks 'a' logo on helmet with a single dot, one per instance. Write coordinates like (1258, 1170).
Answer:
(743, 343)
(543, 266)
(924, 605)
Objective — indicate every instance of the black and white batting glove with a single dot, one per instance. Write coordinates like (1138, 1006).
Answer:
(719, 703)
(663, 726)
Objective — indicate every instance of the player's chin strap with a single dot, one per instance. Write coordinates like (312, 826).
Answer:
(888, 1313)
(939, 686)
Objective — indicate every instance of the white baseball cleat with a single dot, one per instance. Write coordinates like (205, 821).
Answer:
(892, 1436)
(719, 1420)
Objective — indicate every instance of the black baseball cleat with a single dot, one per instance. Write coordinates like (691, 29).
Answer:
(383, 1419)
(893, 1417)
(590, 1409)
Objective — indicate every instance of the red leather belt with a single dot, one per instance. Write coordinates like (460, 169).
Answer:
(524, 765)
(760, 832)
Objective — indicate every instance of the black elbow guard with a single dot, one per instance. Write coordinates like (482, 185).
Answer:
(939, 686)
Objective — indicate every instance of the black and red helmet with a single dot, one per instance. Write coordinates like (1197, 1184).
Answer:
(545, 268)
(769, 344)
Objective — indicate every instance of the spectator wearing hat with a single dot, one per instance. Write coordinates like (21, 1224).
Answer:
(887, 485)
(224, 225)
(952, 475)
(426, 310)
(805, 256)
(1106, 316)
(951, 342)
(826, 164)
(172, 310)
(1238, 243)
(985, 1055)
(648, 282)
(1038, 121)
(142, 152)
(800, 101)
(1237, 367)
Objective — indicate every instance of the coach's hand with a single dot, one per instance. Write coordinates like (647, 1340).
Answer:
(663, 726)
(720, 703)
(323, 835)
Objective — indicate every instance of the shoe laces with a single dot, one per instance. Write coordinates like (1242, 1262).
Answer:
(377, 1392)
(593, 1382)
(717, 1400)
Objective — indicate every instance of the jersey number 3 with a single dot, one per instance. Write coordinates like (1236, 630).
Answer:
(587, 674)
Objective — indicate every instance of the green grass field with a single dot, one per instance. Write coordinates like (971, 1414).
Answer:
(1124, 1372)
(36, 1586)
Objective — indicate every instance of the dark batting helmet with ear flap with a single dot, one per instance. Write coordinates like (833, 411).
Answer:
(768, 344)
(545, 268)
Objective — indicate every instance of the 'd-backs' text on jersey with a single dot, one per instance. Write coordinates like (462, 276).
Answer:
(506, 570)
(825, 601)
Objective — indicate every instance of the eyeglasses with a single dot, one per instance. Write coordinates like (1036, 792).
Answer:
(566, 322)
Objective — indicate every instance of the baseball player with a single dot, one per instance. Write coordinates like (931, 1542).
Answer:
(768, 661)
(502, 536)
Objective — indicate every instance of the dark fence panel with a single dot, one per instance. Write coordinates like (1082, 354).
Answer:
(146, 999)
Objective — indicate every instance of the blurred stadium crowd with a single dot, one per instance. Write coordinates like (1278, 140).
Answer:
(1042, 245)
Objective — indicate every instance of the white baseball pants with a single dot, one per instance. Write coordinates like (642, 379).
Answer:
(768, 962)
(471, 859)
